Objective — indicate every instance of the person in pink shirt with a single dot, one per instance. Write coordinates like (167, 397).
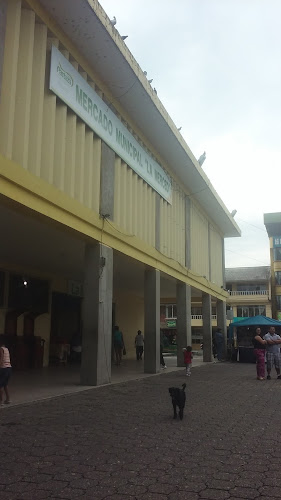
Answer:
(5, 371)
(187, 354)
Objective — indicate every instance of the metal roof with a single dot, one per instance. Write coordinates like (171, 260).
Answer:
(247, 274)
(89, 28)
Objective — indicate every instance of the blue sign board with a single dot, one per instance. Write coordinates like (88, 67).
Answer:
(276, 241)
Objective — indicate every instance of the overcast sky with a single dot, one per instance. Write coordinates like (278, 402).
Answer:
(216, 67)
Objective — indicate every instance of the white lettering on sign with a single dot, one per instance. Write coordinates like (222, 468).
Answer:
(71, 88)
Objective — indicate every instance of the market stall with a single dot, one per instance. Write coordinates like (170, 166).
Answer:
(241, 335)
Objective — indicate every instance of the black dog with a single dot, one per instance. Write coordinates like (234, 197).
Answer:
(178, 399)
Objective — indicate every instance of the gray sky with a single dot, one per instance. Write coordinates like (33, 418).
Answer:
(216, 67)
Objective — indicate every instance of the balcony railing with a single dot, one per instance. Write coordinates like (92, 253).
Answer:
(199, 316)
(193, 316)
(249, 292)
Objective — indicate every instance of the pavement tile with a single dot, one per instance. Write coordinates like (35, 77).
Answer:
(219, 484)
(144, 481)
(270, 491)
(20, 487)
(33, 495)
(52, 485)
(70, 493)
(248, 493)
(213, 494)
(161, 488)
(252, 482)
(151, 496)
(183, 495)
(226, 476)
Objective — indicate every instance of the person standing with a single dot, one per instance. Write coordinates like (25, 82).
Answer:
(273, 342)
(5, 372)
(139, 343)
(219, 342)
(162, 361)
(187, 355)
(118, 344)
(259, 350)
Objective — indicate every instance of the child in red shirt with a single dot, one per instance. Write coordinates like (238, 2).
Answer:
(187, 353)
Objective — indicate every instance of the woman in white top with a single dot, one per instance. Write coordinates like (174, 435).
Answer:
(5, 372)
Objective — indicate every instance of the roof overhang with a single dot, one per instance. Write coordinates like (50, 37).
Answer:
(272, 223)
(89, 28)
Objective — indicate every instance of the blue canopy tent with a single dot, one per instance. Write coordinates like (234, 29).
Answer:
(246, 352)
(254, 321)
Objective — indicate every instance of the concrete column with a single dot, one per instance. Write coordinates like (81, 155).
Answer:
(157, 221)
(207, 327)
(183, 320)
(107, 181)
(97, 316)
(152, 321)
(209, 252)
(187, 233)
(223, 263)
(221, 322)
(3, 18)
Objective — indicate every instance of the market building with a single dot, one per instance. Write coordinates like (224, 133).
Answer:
(105, 212)
(272, 223)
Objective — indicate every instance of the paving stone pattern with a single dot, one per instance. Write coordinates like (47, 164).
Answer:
(121, 443)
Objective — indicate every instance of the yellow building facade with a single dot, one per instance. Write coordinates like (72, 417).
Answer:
(104, 210)
(272, 223)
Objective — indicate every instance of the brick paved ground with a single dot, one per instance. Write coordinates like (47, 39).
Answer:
(121, 443)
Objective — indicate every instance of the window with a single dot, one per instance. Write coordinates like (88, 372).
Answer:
(196, 311)
(250, 311)
(277, 253)
(278, 277)
(278, 302)
(197, 337)
(168, 312)
(251, 288)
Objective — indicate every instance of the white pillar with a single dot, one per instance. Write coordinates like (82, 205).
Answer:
(152, 321)
(183, 319)
(97, 316)
(207, 327)
(221, 322)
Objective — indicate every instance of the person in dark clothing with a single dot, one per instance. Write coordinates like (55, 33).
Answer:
(219, 341)
(162, 362)
(139, 343)
(118, 344)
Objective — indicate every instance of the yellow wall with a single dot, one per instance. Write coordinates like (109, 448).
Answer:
(37, 130)
(216, 246)
(172, 226)
(129, 310)
(199, 242)
(134, 203)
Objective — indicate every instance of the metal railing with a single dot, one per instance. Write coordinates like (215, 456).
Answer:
(248, 292)
(199, 316)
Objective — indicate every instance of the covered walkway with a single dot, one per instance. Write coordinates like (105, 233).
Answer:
(35, 385)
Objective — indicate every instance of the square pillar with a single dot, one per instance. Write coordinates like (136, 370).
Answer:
(221, 322)
(207, 327)
(152, 321)
(97, 316)
(183, 320)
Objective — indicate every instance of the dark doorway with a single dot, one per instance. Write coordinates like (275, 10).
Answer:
(65, 322)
